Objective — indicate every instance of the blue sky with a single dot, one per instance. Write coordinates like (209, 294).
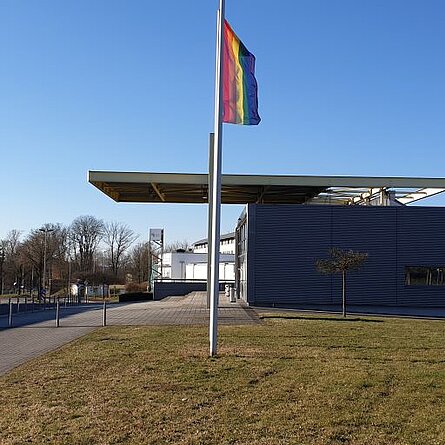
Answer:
(345, 88)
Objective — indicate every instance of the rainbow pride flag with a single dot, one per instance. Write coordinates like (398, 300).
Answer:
(240, 97)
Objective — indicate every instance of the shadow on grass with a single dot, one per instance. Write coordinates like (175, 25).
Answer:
(297, 317)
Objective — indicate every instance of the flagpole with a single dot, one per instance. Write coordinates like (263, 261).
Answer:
(216, 186)
(209, 217)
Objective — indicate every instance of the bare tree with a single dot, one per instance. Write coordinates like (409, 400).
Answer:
(341, 261)
(33, 250)
(139, 262)
(12, 266)
(12, 241)
(118, 237)
(177, 245)
(85, 235)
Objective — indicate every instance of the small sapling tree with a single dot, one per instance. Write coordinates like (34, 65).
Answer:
(341, 261)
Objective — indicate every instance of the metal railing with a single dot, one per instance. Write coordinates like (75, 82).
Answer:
(23, 305)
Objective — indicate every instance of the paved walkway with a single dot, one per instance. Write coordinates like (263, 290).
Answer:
(189, 310)
(35, 333)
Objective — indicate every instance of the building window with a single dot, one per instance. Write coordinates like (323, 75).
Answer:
(424, 276)
(242, 239)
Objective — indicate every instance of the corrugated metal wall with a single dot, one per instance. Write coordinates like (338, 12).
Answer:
(285, 241)
(373, 230)
(420, 242)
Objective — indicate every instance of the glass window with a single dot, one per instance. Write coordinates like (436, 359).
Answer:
(424, 276)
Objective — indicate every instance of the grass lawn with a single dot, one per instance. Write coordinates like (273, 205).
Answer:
(296, 379)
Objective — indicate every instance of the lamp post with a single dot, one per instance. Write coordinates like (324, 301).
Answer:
(31, 287)
(45, 230)
(2, 260)
(69, 273)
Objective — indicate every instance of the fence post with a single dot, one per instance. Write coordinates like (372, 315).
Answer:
(57, 313)
(10, 313)
(104, 314)
(18, 304)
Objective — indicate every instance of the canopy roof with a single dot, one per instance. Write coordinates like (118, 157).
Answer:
(267, 189)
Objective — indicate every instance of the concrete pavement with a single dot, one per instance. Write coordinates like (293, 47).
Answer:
(34, 333)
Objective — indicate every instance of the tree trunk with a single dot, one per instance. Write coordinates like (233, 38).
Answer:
(344, 293)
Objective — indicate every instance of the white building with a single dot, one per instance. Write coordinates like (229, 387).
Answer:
(227, 244)
(192, 265)
(198, 271)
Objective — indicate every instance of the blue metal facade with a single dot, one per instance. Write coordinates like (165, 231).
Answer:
(284, 241)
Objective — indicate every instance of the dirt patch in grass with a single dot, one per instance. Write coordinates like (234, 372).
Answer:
(291, 380)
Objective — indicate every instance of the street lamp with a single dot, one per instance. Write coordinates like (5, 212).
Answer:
(2, 260)
(69, 272)
(45, 230)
